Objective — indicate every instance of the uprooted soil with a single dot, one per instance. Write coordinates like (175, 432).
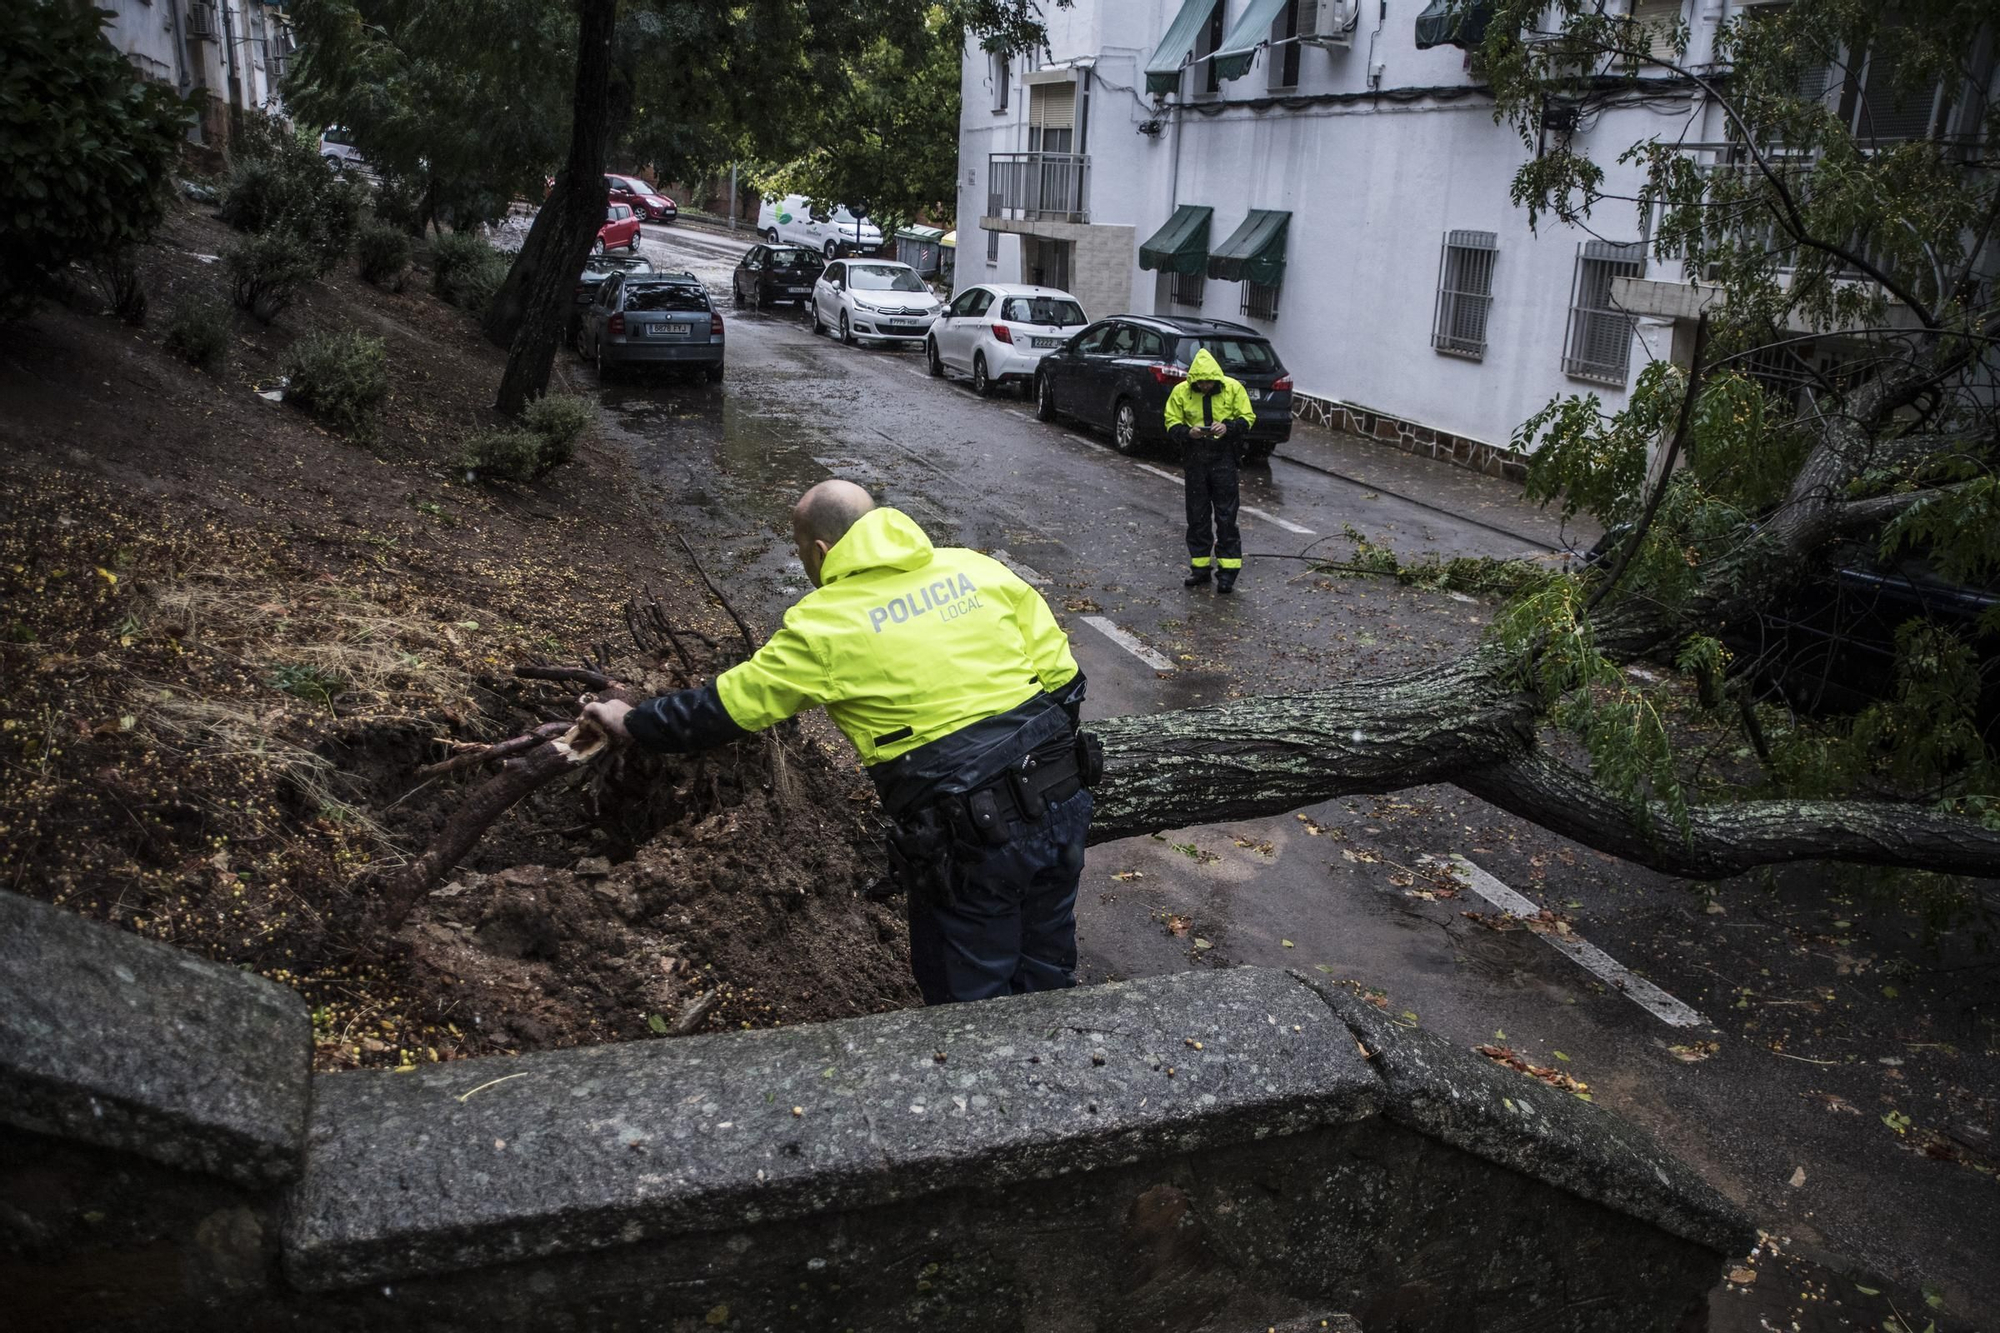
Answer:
(231, 640)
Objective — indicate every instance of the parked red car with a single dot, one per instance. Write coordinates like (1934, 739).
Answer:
(643, 199)
(620, 227)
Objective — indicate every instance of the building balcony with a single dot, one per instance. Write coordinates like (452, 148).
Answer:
(1032, 187)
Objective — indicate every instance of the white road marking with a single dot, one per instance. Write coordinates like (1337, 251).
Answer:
(1585, 954)
(1124, 639)
(1254, 512)
(1088, 443)
(1284, 523)
(920, 374)
(1027, 573)
(1017, 412)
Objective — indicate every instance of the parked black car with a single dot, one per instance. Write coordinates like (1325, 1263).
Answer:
(1118, 372)
(769, 274)
(595, 270)
(652, 319)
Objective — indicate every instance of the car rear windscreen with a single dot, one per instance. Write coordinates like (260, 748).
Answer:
(1253, 355)
(673, 296)
(1041, 310)
(792, 257)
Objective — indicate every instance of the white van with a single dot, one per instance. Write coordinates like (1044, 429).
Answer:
(791, 221)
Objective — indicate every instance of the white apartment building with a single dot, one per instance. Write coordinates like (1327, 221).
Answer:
(234, 51)
(1319, 170)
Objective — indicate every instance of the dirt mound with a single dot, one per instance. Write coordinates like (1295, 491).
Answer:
(232, 640)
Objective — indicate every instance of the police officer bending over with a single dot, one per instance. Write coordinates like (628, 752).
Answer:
(1208, 415)
(957, 687)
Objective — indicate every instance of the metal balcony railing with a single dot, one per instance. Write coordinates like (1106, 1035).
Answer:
(1030, 186)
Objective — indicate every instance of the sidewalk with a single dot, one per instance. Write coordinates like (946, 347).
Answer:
(1472, 495)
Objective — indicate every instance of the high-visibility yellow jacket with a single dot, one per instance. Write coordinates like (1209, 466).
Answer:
(902, 643)
(1229, 403)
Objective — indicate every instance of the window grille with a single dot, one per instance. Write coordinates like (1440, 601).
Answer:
(1259, 301)
(992, 247)
(1188, 289)
(1599, 341)
(1465, 292)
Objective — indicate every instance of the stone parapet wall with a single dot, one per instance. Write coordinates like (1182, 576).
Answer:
(1410, 436)
(1209, 1150)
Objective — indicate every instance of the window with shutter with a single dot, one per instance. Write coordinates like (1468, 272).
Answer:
(1659, 17)
(1465, 292)
(1051, 117)
(1599, 341)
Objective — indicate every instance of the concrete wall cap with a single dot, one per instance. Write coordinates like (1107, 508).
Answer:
(126, 1043)
(1493, 1112)
(481, 1162)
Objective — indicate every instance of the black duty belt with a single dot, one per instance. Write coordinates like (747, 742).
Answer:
(1021, 795)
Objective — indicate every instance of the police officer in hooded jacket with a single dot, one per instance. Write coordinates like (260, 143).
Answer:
(952, 679)
(1208, 415)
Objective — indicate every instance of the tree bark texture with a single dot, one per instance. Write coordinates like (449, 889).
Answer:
(579, 211)
(509, 305)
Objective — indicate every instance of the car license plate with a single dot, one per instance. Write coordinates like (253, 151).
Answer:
(669, 330)
(904, 326)
(1256, 395)
(1047, 342)
(797, 291)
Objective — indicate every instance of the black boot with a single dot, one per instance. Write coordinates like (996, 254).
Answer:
(1225, 580)
(1196, 577)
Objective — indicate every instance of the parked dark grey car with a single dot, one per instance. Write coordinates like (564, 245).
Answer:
(660, 319)
(769, 274)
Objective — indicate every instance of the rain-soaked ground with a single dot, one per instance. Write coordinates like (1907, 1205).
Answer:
(1837, 1078)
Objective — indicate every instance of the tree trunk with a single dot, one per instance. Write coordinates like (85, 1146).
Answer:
(578, 209)
(509, 305)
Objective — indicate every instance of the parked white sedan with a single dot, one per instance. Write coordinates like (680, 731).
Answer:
(999, 333)
(872, 298)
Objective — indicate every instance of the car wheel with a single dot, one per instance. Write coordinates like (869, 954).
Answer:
(846, 330)
(832, 250)
(772, 235)
(812, 316)
(736, 294)
(982, 383)
(1125, 427)
(1045, 398)
(935, 361)
(763, 298)
(632, 246)
(599, 247)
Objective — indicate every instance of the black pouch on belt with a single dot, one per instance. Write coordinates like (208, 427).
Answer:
(1089, 759)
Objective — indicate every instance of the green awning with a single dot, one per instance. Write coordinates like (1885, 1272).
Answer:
(1163, 71)
(1182, 245)
(1250, 31)
(1255, 251)
(1460, 23)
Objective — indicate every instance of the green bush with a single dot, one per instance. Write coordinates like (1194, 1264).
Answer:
(279, 183)
(87, 148)
(505, 455)
(268, 269)
(465, 270)
(340, 379)
(399, 202)
(199, 331)
(558, 419)
(384, 252)
(546, 440)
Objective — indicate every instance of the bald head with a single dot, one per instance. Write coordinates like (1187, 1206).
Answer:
(822, 517)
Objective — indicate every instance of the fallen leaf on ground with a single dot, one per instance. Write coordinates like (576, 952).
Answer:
(1694, 1051)
(1798, 1177)
(1178, 925)
(1742, 1277)
(1555, 1078)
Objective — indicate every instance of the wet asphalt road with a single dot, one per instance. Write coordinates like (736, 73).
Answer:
(1825, 1014)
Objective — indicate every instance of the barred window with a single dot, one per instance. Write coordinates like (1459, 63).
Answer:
(1259, 301)
(1598, 345)
(1465, 292)
(993, 246)
(1188, 289)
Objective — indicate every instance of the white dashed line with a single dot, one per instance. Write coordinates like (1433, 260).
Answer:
(1284, 523)
(1124, 639)
(920, 374)
(1585, 954)
(1027, 573)
(1088, 443)
(1017, 412)
(1263, 514)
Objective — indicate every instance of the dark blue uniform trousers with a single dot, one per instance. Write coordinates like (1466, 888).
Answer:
(1010, 926)
(1210, 466)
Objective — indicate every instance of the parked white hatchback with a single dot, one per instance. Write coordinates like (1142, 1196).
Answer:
(872, 298)
(833, 232)
(998, 333)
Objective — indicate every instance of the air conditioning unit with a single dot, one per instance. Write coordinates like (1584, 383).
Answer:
(1328, 22)
(201, 22)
